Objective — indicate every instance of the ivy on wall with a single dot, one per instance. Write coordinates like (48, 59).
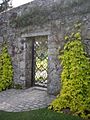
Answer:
(36, 16)
(75, 92)
(39, 15)
(6, 69)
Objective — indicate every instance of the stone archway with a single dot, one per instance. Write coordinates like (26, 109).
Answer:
(53, 78)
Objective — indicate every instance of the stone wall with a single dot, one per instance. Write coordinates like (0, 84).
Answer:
(54, 18)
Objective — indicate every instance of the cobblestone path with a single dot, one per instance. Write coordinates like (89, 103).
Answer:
(23, 100)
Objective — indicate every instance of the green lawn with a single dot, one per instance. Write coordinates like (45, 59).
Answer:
(42, 114)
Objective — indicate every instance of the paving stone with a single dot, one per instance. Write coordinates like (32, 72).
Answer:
(24, 100)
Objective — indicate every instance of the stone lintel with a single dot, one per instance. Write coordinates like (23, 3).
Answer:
(36, 34)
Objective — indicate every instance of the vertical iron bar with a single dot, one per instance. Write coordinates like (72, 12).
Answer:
(33, 66)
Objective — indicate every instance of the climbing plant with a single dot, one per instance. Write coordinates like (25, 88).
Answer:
(75, 79)
(40, 15)
(6, 69)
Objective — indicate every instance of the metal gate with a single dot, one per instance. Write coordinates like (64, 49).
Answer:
(40, 63)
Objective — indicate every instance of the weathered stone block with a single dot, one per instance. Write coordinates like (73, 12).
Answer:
(22, 78)
(88, 34)
(1, 39)
(22, 64)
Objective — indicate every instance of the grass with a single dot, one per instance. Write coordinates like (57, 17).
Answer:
(41, 114)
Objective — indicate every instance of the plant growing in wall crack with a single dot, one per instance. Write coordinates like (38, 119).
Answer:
(75, 92)
(6, 69)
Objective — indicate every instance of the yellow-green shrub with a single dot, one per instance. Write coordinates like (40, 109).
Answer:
(6, 69)
(75, 78)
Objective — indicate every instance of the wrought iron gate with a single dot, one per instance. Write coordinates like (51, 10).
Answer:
(40, 61)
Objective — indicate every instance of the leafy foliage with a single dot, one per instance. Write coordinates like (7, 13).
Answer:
(36, 16)
(40, 15)
(75, 78)
(6, 69)
(4, 5)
